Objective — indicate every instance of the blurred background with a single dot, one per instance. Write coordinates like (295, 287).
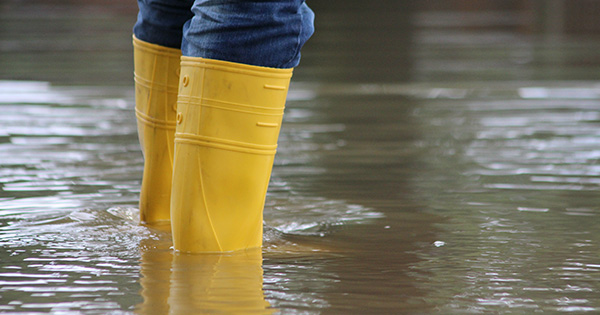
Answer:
(88, 42)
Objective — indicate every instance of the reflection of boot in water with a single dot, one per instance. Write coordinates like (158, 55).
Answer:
(218, 283)
(155, 277)
(156, 79)
(228, 121)
(200, 284)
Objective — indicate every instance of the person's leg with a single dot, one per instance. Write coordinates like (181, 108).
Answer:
(259, 33)
(157, 40)
(160, 22)
(235, 73)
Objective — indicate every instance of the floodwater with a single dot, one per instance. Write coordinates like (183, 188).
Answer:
(450, 166)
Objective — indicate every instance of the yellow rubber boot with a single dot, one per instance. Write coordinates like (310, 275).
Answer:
(228, 121)
(156, 81)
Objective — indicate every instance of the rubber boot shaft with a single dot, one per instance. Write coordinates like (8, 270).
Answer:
(228, 122)
(156, 84)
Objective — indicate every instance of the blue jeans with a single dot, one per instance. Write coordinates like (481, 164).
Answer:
(268, 33)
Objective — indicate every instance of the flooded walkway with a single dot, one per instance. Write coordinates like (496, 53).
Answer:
(433, 159)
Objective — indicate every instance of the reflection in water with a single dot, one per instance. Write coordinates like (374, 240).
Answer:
(228, 283)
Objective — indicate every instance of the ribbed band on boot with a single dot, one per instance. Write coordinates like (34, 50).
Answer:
(156, 77)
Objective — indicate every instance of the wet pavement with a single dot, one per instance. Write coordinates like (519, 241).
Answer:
(434, 158)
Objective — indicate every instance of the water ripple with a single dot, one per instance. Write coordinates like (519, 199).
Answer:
(525, 179)
(71, 241)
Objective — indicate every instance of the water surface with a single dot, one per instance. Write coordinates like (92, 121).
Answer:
(451, 170)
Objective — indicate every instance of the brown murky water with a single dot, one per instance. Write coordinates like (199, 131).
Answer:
(439, 158)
